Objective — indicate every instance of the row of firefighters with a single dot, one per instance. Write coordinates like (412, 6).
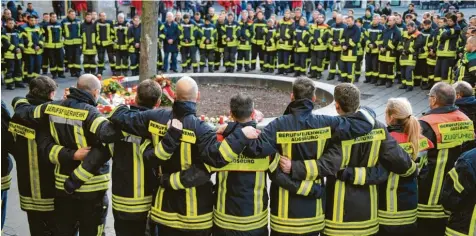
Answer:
(415, 56)
(164, 173)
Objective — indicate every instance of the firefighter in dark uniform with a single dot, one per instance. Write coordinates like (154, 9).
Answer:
(220, 46)
(160, 42)
(285, 43)
(231, 41)
(33, 48)
(35, 172)
(301, 38)
(88, 35)
(244, 44)
(467, 70)
(12, 44)
(207, 45)
(45, 59)
(446, 47)
(458, 195)
(81, 186)
(188, 49)
(257, 41)
(349, 42)
(310, 151)
(198, 22)
(372, 40)
(387, 57)
(53, 37)
(335, 47)
(121, 45)
(360, 50)
(105, 37)
(412, 43)
(439, 125)
(72, 43)
(422, 66)
(368, 18)
(7, 164)
(269, 47)
(133, 35)
(185, 205)
(133, 183)
(319, 37)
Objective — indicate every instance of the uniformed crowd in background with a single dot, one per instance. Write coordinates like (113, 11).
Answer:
(401, 48)
(330, 175)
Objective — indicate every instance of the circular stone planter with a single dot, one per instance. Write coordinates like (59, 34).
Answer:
(324, 92)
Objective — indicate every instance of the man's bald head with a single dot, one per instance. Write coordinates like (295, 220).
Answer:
(186, 89)
(443, 95)
(89, 82)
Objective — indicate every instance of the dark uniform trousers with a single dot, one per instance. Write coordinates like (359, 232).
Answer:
(91, 213)
(243, 58)
(102, 50)
(122, 61)
(164, 230)
(160, 59)
(32, 66)
(218, 56)
(89, 64)
(317, 61)
(41, 223)
(284, 60)
(431, 227)
(129, 227)
(421, 71)
(229, 57)
(257, 51)
(45, 61)
(73, 57)
(134, 62)
(334, 59)
(207, 56)
(300, 62)
(386, 70)
(443, 69)
(14, 71)
(371, 66)
(56, 59)
(407, 75)
(188, 55)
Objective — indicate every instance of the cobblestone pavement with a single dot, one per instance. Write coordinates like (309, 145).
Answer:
(374, 97)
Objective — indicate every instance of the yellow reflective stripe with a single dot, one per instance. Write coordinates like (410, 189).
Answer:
(411, 170)
(131, 201)
(190, 193)
(352, 224)
(272, 167)
(373, 201)
(392, 197)
(32, 207)
(111, 148)
(100, 229)
(160, 152)
(96, 123)
(86, 188)
(131, 209)
(431, 211)
(144, 145)
(66, 112)
(312, 172)
(54, 154)
(346, 150)
(53, 132)
(241, 223)
(242, 219)
(451, 232)
(260, 185)
(370, 231)
(226, 151)
(374, 152)
(321, 143)
(23, 100)
(283, 194)
(175, 181)
(6, 181)
(339, 195)
(138, 167)
(305, 187)
(37, 112)
(182, 218)
(95, 179)
(222, 188)
(360, 175)
(34, 169)
(297, 225)
(456, 184)
(82, 174)
(438, 176)
(397, 214)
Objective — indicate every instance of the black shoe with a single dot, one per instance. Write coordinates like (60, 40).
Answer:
(280, 72)
(20, 85)
(380, 82)
(66, 70)
(176, 71)
(399, 81)
(216, 68)
(373, 81)
(368, 80)
(319, 76)
(253, 68)
(55, 77)
(331, 77)
(239, 69)
(195, 70)
(403, 86)
(297, 74)
(270, 70)
(426, 86)
(409, 89)
(388, 84)
(417, 82)
(247, 69)
(62, 76)
(11, 87)
(211, 70)
(313, 75)
(202, 69)
(44, 73)
(184, 70)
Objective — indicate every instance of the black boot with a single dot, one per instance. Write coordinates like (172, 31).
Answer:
(202, 69)
(380, 82)
(239, 69)
(216, 68)
(297, 74)
(11, 86)
(403, 86)
(319, 76)
(368, 79)
(195, 69)
(280, 71)
(417, 82)
(331, 76)
(427, 86)
(388, 84)
(374, 80)
(61, 75)
(409, 89)
(20, 85)
(210, 69)
(313, 75)
(184, 70)
(247, 69)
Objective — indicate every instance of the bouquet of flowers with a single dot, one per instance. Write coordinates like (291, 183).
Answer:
(168, 89)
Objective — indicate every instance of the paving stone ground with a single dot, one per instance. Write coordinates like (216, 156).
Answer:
(374, 97)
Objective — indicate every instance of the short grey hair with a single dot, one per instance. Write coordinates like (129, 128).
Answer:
(303, 88)
(444, 94)
(463, 88)
(121, 15)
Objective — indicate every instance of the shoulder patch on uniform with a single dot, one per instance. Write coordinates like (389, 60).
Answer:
(21, 130)
(66, 112)
(303, 136)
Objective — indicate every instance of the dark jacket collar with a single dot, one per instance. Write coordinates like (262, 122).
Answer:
(81, 96)
(33, 100)
(395, 128)
(300, 107)
(139, 108)
(441, 110)
(466, 101)
(181, 109)
(230, 128)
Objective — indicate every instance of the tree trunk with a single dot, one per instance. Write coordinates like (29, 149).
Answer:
(148, 40)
